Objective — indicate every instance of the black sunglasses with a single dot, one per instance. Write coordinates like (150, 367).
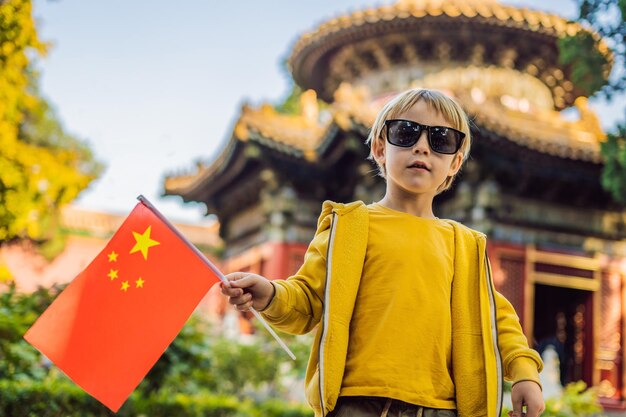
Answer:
(441, 139)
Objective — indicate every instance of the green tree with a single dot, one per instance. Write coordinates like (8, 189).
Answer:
(291, 103)
(590, 71)
(42, 167)
(19, 360)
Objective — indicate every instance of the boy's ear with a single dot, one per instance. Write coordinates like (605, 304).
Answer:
(378, 150)
(456, 164)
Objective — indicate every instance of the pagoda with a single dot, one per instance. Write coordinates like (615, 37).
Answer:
(556, 240)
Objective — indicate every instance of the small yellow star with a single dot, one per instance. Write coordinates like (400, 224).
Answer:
(143, 243)
(112, 256)
(139, 283)
(125, 286)
(112, 274)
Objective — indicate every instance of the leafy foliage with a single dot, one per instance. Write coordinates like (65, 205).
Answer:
(199, 360)
(582, 51)
(18, 360)
(589, 72)
(291, 103)
(200, 374)
(41, 166)
(614, 174)
(589, 65)
(60, 397)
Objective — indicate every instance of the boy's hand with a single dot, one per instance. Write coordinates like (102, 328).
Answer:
(248, 290)
(526, 393)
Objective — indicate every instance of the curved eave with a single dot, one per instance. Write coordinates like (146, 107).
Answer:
(190, 185)
(589, 154)
(207, 179)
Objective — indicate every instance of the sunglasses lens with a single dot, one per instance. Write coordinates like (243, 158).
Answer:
(444, 140)
(403, 134)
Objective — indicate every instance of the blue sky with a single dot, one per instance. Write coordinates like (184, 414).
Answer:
(155, 85)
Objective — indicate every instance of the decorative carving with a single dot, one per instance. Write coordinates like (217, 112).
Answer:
(310, 108)
(443, 50)
(606, 389)
(589, 120)
(478, 53)
(352, 102)
(507, 57)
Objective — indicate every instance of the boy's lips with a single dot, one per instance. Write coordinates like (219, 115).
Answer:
(419, 164)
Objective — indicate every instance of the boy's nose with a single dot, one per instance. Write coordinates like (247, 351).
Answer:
(422, 142)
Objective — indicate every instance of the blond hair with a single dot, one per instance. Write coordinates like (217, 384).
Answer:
(435, 100)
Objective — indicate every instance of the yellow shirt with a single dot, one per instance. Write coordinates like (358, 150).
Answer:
(400, 333)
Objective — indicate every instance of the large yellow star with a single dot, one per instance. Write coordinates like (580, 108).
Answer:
(143, 243)
(112, 256)
(139, 283)
(112, 274)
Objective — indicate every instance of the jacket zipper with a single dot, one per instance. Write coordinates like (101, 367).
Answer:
(325, 316)
(494, 333)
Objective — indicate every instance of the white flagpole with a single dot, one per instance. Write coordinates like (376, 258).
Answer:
(217, 272)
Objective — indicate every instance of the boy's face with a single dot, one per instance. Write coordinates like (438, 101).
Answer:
(398, 160)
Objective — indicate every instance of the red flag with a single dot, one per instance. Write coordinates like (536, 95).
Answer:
(112, 323)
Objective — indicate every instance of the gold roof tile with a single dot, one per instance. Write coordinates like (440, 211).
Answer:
(484, 11)
(451, 10)
(517, 15)
(548, 21)
(501, 13)
(467, 10)
(434, 11)
(531, 16)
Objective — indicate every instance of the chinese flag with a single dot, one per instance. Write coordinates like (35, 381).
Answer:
(111, 324)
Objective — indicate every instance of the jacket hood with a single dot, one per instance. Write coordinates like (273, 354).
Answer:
(330, 207)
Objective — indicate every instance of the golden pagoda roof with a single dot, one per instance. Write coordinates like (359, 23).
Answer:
(491, 10)
(405, 37)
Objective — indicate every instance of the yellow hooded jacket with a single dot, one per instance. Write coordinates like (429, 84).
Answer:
(488, 344)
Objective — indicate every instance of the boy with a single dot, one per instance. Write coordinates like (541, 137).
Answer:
(408, 319)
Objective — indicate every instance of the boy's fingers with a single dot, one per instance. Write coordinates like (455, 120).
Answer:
(231, 292)
(533, 410)
(244, 306)
(517, 406)
(244, 281)
(240, 300)
(235, 276)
